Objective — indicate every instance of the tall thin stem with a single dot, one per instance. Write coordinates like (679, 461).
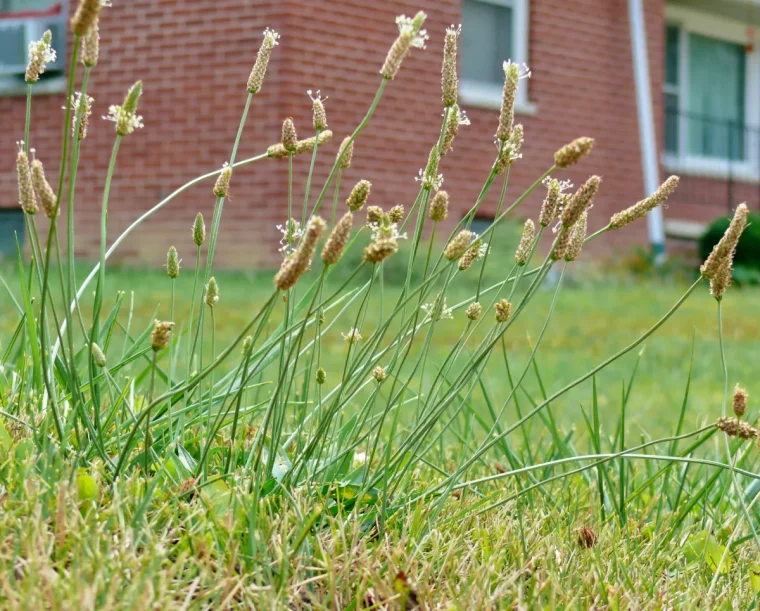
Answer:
(147, 418)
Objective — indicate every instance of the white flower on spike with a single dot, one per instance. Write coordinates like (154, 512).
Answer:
(432, 183)
(445, 313)
(291, 235)
(509, 154)
(462, 118)
(523, 72)
(40, 51)
(353, 336)
(482, 251)
(77, 104)
(118, 115)
(386, 232)
(405, 26)
(360, 458)
(564, 185)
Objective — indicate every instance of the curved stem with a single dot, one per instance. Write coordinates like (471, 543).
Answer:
(144, 217)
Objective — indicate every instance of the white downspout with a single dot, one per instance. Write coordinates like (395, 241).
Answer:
(648, 141)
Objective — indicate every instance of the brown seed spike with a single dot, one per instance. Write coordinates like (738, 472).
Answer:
(87, 13)
(733, 427)
(346, 153)
(458, 245)
(573, 152)
(639, 210)
(396, 214)
(26, 198)
(278, 151)
(577, 238)
(439, 207)
(474, 310)
(374, 215)
(379, 251)
(722, 255)
(289, 137)
(91, 46)
(293, 268)
(563, 243)
(740, 401)
(503, 310)
(507, 113)
(43, 189)
(359, 195)
(449, 80)
(319, 116)
(159, 337)
(222, 185)
(410, 35)
(338, 239)
(550, 206)
(256, 78)
(526, 243)
(587, 538)
(580, 201)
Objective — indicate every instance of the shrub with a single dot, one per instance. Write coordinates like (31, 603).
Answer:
(748, 249)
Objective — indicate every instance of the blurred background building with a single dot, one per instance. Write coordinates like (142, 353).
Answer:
(194, 57)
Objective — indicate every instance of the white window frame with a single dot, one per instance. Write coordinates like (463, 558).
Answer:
(34, 28)
(488, 95)
(690, 21)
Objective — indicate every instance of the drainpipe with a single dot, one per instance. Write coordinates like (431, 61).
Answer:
(648, 142)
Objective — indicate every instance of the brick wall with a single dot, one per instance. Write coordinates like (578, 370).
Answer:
(194, 63)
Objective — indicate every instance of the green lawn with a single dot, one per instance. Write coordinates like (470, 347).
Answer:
(174, 548)
(592, 320)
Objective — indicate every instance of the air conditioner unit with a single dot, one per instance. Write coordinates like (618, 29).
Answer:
(17, 32)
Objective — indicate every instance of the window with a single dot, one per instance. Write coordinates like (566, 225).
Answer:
(711, 91)
(24, 21)
(492, 32)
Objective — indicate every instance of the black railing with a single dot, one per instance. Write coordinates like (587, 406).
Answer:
(718, 160)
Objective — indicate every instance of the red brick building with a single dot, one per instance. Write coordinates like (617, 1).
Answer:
(194, 57)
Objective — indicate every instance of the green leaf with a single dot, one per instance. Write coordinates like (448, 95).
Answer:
(754, 577)
(704, 547)
(5, 439)
(88, 492)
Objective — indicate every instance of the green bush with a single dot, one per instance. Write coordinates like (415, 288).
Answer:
(748, 250)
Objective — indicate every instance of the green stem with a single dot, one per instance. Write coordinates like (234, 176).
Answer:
(729, 453)
(335, 198)
(53, 224)
(101, 285)
(357, 131)
(28, 121)
(308, 179)
(147, 418)
(217, 217)
(171, 359)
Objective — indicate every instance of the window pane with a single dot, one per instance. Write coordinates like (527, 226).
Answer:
(26, 5)
(12, 47)
(57, 28)
(671, 54)
(671, 123)
(486, 40)
(716, 93)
